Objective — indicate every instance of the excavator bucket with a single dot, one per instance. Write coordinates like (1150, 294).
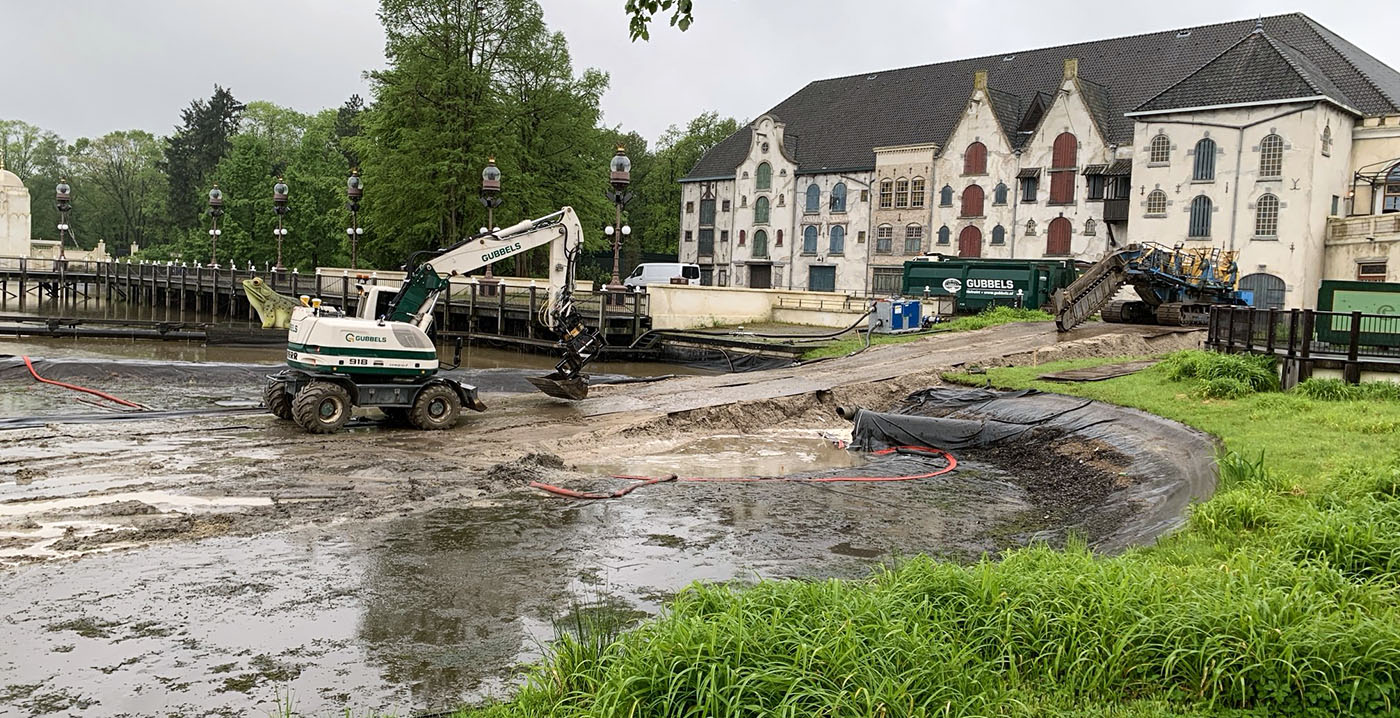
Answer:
(559, 386)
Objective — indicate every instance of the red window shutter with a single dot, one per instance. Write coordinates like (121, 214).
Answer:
(970, 242)
(1061, 187)
(1065, 154)
(1057, 239)
(972, 201)
(975, 159)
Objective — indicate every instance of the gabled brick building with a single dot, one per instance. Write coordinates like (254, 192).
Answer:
(1256, 136)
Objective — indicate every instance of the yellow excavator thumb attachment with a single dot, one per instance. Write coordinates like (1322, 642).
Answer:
(559, 386)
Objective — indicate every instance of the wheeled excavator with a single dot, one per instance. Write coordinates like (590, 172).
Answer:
(383, 357)
(1175, 287)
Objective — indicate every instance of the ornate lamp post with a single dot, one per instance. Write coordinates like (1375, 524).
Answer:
(490, 199)
(620, 177)
(216, 210)
(279, 205)
(354, 189)
(63, 200)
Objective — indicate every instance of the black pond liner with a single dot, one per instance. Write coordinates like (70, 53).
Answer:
(1169, 465)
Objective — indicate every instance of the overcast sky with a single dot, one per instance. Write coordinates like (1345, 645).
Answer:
(84, 67)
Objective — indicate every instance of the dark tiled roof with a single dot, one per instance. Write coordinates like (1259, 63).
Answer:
(1256, 69)
(1028, 172)
(1120, 168)
(1007, 108)
(840, 120)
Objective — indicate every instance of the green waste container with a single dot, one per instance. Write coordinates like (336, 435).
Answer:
(979, 284)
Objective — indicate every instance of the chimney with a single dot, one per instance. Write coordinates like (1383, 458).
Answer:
(1071, 68)
(979, 80)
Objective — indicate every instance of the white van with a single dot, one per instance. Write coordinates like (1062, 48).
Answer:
(661, 273)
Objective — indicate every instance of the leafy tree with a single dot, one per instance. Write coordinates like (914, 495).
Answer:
(640, 13)
(349, 120)
(194, 150)
(122, 192)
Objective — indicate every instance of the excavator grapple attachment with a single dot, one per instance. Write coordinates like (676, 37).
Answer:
(559, 386)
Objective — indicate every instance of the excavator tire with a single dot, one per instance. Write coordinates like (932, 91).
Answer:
(436, 408)
(277, 400)
(322, 407)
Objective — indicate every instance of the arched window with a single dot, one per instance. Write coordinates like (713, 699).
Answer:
(809, 239)
(944, 234)
(1030, 228)
(1268, 290)
(778, 239)
(1266, 217)
(1271, 156)
(914, 239)
(763, 177)
(999, 193)
(760, 243)
(1204, 168)
(742, 236)
(1156, 202)
(884, 239)
(945, 196)
(901, 193)
(836, 240)
(1057, 238)
(1200, 217)
(814, 198)
(1091, 227)
(760, 210)
(1391, 203)
(970, 242)
(1064, 156)
(972, 201)
(1327, 141)
(916, 192)
(1160, 151)
(998, 235)
(886, 194)
(838, 197)
(975, 159)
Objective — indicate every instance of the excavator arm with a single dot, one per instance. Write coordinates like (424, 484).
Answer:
(562, 231)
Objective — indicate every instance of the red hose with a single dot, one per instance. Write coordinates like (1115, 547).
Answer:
(75, 387)
(649, 480)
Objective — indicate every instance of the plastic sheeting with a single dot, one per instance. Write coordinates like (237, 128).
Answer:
(1170, 466)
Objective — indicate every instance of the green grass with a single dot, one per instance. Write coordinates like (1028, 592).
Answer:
(989, 318)
(1278, 598)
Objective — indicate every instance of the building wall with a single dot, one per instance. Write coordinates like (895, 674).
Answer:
(1308, 182)
(893, 163)
(1366, 236)
(1067, 113)
(978, 124)
(855, 221)
(14, 217)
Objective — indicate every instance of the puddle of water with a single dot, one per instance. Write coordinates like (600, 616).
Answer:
(739, 455)
(427, 611)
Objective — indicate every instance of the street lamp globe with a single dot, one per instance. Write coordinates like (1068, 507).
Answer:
(216, 196)
(279, 190)
(63, 190)
(620, 163)
(491, 173)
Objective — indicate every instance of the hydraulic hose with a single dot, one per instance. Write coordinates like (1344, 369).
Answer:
(923, 451)
(30, 365)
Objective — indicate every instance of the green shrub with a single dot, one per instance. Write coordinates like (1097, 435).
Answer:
(1327, 390)
(1379, 390)
(1257, 372)
(1224, 387)
(1242, 509)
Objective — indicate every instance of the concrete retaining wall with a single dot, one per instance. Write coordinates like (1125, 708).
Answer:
(692, 307)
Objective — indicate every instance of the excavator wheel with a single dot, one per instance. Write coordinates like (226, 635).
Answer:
(322, 407)
(277, 400)
(436, 408)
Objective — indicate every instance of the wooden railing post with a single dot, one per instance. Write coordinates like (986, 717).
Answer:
(1249, 330)
(1273, 324)
(1352, 373)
